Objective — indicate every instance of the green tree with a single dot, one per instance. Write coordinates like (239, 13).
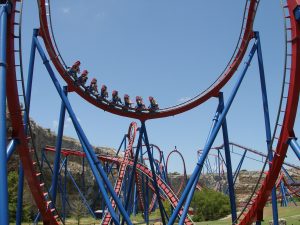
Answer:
(12, 195)
(78, 209)
(210, 205)
(167, 207)
(12, 180)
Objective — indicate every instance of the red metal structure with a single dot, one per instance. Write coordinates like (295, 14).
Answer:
(21, 125)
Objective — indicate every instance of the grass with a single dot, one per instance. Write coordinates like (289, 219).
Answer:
(291, 214)
(72, 221)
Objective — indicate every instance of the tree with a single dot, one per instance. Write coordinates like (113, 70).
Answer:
(210, 205)
(78, 209)
(12, 181)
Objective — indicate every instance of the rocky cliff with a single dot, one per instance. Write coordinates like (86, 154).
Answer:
(83, 178)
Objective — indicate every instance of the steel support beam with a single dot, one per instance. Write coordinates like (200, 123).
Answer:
(191, 193)
(295, 146)
(11, 148)
(151, 160)
(267, 121)
(92, 158)
(99, 181)
(228, 163)
(4, 10)
(284, 201)
(212, 138)
(238, 169)
(297, 13)
(58, 144)
(26, 122)
(131, 179)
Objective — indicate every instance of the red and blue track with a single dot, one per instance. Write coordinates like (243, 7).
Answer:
(25, 148)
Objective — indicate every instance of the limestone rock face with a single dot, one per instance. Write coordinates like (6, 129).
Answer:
(83, 178)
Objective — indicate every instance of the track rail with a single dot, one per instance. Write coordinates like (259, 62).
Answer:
(123, 167)
(164, 188)
(14, 92)
(246, 35)
(289, 111)
(184, 177)
(252, 151)
(283, 131)
(139, 182)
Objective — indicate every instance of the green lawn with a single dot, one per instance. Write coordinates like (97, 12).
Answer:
(291, 214)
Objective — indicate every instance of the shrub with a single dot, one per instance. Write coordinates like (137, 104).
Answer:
(210, 205)
(12, 181)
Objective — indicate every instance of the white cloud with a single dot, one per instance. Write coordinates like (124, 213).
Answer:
(184, 99)
(66, 10)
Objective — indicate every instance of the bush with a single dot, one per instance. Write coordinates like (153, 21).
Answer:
(12, 199)
(167, 207)
(209, 205)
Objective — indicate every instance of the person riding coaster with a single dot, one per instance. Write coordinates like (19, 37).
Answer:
(139, 104)
(104, 93)
(83, 78)
(153, 104)
(127, 102)
(74, 70)
(93, 88)
(115, 98)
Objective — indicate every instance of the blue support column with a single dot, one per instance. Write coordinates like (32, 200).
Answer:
(147, 202)
(4, 10)
(132, 176)
(267, 121)
(30, 69)
(211, 139)
(80, 193)
(228, 163)
(11, 148)
(65, 190)
(151, 160)
(283, 195)
(26, 122)
(191, 193)
(58, 144)
(297, 13)
(83, 175)
(134, 201)
(92, 158)
(238, 169)
(295, 146)
(99, 181)
(143, 179)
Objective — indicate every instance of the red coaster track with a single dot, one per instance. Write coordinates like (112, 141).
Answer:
(32, 175)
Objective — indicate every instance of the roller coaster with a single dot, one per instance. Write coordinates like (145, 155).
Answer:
(126, 181)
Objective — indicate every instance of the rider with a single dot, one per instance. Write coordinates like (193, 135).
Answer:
(127, 101)
(139, 103)
(153, 104)
(115, 98)
(75, 69)
(93, 88)
(83, 77)
(104, 93)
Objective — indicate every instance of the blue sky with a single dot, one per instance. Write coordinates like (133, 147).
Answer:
(171, 50)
